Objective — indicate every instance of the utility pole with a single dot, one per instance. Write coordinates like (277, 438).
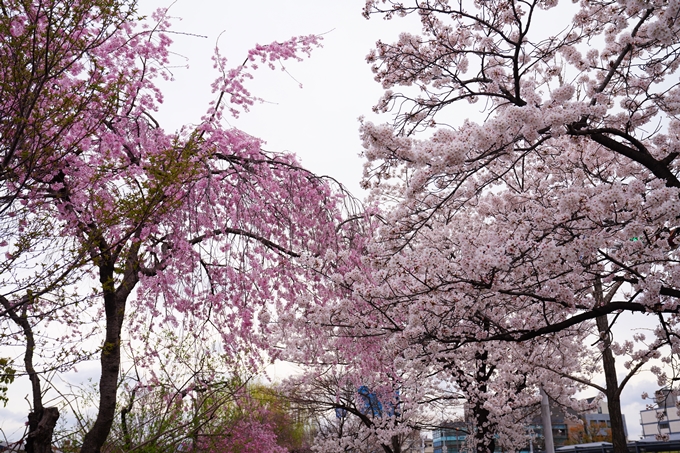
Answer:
(547, 423)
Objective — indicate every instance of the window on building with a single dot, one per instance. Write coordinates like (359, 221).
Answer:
(664, 425)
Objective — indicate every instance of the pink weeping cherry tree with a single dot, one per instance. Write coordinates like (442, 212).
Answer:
(186, 230)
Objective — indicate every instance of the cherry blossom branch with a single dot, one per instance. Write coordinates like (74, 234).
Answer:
(524, 335)
(614, 66)
(240, 232)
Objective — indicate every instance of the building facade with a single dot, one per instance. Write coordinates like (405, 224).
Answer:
(662, 421)
(597, 426)
(449, 438)
(593, 426)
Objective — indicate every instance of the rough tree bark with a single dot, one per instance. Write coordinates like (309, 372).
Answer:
(613, 392)
(42, 420)
(115, 300)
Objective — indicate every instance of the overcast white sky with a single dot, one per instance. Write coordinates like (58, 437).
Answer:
(317, 122)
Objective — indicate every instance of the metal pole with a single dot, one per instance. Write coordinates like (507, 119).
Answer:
(547, 423)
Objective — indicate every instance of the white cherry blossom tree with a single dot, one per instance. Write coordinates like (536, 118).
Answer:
(512, 228)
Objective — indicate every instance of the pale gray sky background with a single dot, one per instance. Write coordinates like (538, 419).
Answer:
(317, 122)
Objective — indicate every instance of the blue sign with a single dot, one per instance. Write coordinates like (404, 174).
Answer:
(373, 405)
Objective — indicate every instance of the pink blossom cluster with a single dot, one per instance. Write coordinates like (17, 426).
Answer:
(233, 80)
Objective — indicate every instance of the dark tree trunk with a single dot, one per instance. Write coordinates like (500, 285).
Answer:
(613, 392)
(483, 432)
(485, 442)
(108, 382)
(115, 300)
(41, 425)
(42, 420)
(396, 445)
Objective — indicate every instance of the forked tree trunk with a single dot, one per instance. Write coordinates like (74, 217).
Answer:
(115, 300)
(42, 420)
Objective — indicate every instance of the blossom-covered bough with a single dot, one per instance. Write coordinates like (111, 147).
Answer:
(356, 407)
(558, 208)
(201, 230)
